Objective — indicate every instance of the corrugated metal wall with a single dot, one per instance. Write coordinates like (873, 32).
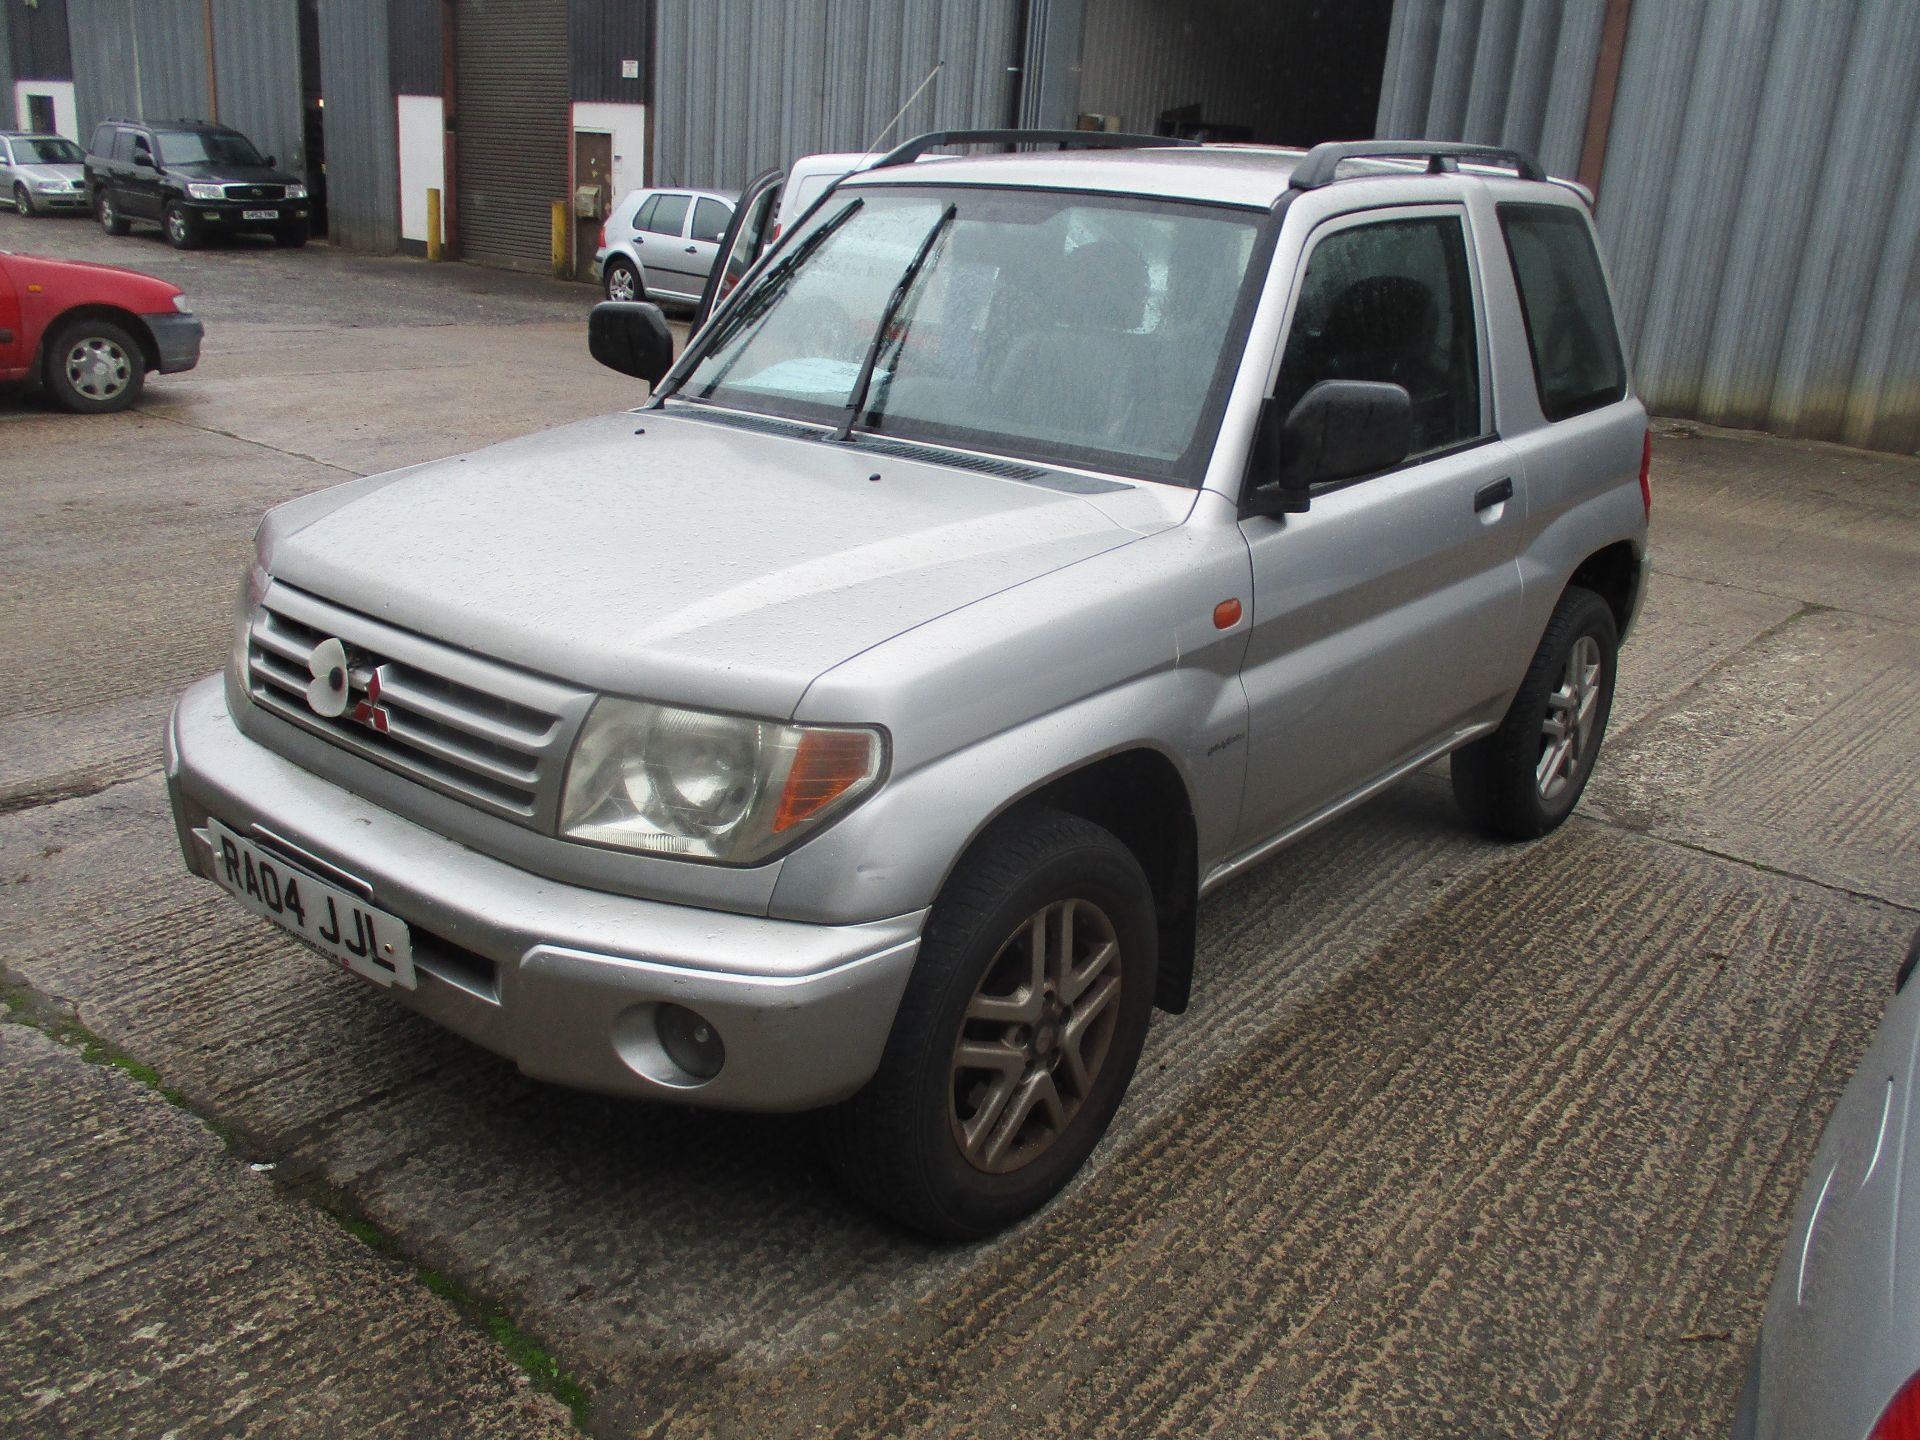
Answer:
(600, 35)
(1760, 204)
(1498, 72)
(363, 156)
(34, 44)
(138, 58)
(256, 46)
(414, 35)
(741, 86)
(1761, 208)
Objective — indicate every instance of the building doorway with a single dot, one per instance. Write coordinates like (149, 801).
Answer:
(1288, 72)
(313, 114)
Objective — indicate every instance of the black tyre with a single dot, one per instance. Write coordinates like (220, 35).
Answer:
(1017, 1036)
(1524, 779)
(621, 281)
(23, 201)
(290, 237)
(94, 366)
(183, 232)
(111, 220)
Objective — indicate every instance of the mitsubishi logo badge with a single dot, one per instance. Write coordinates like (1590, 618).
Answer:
(336, 681)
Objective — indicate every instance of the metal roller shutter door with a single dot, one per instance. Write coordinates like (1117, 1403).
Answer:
(512, 116)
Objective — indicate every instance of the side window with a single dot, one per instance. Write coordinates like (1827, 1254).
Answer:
(6, 154)
(669, 215)
(1577, 364)
(643, 218)
(1391, 301)
(123, 141)
(102, 140)
(710, 220)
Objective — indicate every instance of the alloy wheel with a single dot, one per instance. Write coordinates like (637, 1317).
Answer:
(1036, 1034)
(620, 283)
(1566, 734)
(98, 368)
(176, 227)
(21, 201)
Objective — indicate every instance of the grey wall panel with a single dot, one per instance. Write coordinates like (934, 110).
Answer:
(413, 46)
(139, 58)
(741, 86)
(363, 163)
(256, 46)
(34, 43)
(1499, 72)
(1761, 202)
(601, 34)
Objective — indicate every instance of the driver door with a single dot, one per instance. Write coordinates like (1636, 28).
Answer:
(747, 238)
(1386, 616)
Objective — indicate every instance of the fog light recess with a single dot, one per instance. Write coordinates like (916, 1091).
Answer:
(690, 1041)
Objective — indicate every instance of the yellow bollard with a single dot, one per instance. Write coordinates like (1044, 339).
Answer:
(433, 224)
(561, 268)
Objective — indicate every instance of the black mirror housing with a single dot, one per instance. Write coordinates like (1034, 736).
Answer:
(631, 336)
(143, 161)
(1337, 430)
(273, 162)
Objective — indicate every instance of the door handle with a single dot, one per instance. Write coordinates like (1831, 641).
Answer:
(693, 250)
(1498, 493)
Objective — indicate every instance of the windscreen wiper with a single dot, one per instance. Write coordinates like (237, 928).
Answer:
(756, 304)
(858, 399)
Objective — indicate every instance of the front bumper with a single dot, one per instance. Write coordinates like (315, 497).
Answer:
(177, 339)
(61, 199)
(562, 981)
(232, 214)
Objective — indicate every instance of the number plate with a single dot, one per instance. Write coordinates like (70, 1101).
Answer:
(366, 941)
(259, 214)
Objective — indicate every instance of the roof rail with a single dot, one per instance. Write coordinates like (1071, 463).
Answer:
(1089, 139)
(1441, 156)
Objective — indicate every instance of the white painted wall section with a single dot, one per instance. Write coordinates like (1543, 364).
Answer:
(423, 161)
(65, 119)
(627, 124)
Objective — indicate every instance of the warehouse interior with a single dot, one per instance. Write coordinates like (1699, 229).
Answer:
(1278, 72)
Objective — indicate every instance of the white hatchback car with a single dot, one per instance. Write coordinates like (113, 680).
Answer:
(660, 244)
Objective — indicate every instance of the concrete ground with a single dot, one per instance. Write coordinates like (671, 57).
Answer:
(1457, 1139)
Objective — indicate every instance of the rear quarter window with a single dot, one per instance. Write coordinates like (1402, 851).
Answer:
(1577, 363)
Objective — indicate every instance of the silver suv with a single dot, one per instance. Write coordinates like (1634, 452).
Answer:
(1029, 544)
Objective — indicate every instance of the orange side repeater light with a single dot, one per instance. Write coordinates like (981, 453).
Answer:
(827, 765)
(1226, 615)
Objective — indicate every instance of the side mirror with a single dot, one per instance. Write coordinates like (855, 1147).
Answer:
(631, 336)
(273, 162)
(143, 161)
(1337, 430)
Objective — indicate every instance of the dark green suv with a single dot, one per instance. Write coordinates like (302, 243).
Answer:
(193, 180)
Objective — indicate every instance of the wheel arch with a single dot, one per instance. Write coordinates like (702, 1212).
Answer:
(1614, 573)
(623, 252)
(133, 324)
(1139, 796)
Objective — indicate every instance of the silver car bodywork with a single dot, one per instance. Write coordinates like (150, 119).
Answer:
(1841, 1334)
(1003, 632)
(666, 267)
(48, 187)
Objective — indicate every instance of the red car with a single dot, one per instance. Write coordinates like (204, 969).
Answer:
(90, 333)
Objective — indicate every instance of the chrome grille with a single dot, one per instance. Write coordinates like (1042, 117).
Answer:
(256, 192)
(486, 733)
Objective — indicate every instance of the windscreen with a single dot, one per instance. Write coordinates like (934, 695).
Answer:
(1080, 329)
(206, 147)
(47, 152)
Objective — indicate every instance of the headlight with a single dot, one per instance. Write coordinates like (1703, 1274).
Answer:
(50, 186)
(296, 191)
(207, 192)
(668, 781)
(180, 304)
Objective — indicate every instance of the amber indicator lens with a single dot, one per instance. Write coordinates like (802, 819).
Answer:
(1226, 615)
